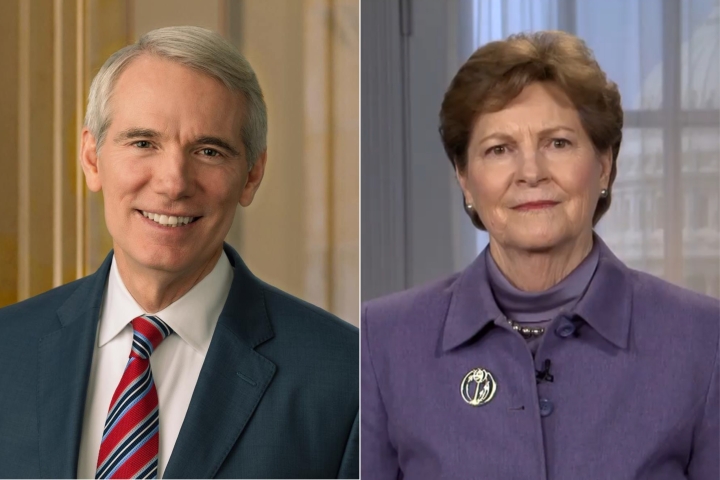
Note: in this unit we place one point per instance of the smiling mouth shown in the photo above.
(536, 205)
(168, 220)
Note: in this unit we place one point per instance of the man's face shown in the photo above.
(173, 153)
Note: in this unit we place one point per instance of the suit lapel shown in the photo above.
(231, 383)
(233, 380)
(64, 361)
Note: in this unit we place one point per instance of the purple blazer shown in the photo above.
(631, 393)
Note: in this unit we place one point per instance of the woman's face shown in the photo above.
(532, 174)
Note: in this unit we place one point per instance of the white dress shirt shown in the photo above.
(175, 364)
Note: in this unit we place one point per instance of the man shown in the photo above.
(173, 359)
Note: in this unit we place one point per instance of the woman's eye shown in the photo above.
(497, 150)
(142, 144)
(560, 143)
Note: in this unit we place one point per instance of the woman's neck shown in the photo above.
(539, 271)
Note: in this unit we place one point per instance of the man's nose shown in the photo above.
(175, 175)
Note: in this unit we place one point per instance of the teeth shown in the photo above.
(167, 220)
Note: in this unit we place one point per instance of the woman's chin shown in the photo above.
(539, 239)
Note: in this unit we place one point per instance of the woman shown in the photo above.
(547, 358)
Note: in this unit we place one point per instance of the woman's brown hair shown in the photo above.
(498, 71)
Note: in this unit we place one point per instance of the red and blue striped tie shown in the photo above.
(129, 447)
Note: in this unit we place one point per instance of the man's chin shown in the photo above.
(163, 259)
(167, 265)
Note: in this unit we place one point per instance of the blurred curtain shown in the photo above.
(301, 234)
(43, 238)
(665, 56)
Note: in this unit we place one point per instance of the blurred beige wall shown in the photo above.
(301, 234)
(148, 15)
(271, 232)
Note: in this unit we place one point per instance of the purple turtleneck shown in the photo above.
(538, 309)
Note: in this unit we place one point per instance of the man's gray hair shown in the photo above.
(197, 48)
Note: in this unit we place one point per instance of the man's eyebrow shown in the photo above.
(218, 142)
(132, 133)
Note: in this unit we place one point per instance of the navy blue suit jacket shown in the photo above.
(277, 395)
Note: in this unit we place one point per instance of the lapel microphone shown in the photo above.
(544, 374)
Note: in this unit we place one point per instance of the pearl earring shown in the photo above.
(604, 193)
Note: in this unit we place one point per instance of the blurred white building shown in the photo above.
(634, 226)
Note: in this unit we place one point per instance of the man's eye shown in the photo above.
(142, 144)
(210, 152)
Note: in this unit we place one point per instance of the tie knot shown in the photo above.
(148, 332)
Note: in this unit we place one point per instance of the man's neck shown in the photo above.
(155, 289)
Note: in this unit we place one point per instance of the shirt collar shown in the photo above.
(606, 305)
(472, 305)
(193, 316)
(524, 306)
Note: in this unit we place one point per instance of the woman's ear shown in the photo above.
(606, 163)
(462, 181)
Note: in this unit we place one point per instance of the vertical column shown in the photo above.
(23, 179)
(80, 76)
(318, 18)
(66, 144)
(9, 137)
(106, 31)
(35, 179)
(383, 196)
(672, 135)
(343, 169)
(273, 234)
(57, 142)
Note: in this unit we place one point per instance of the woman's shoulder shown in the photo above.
(682, 317)
(655, 292)
(421, 302)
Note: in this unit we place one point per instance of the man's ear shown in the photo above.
(89, 160)
(254, 177)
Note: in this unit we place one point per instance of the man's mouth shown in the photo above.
(168, 220)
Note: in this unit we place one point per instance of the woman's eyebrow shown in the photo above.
(550, 130)
(506, 137)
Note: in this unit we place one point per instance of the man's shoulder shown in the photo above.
(289, 312)
(290, 315)
(37, 313)
(310, 343)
